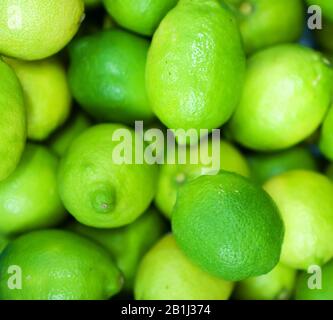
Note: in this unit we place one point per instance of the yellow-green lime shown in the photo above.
(286, 94)
(36, 29)
(100, 184)
(228, 225)
(58, 265)
(326, 135)
(165, 273)
(305, 201)
(46, 93)
(195, 66)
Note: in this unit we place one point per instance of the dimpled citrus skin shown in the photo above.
(173, 176)
(326, 135)
(195, 66)
(141, 16)
(95, 189)
(303, 292)
(286, 94)
(12, 121)
(36, 29)
(267, 165)
(29, 197)
(264, 23)
(59, 265)
(165, 273)
(128, 244)
(326, 7)
(46, 93)
(306, 206)
(228, 226)
(113, 65)
(275, 285)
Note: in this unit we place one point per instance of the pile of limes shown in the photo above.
(83, 216)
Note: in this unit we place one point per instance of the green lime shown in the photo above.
(173, 176)
(275, 285)
(96, 187)
(127, 244)
(141, 16)
(58, 265)
(28, 197)
(286, 94)
(306, 288)
(326, 135)
(165, 273)
(112, 64)
(324, 36)
(195, 66)
(3, 242)
(265, 23)
(228, 225)
(267, 165)
(36, 29)
(326, 7)
(305, 201)
(63, 138)
(12, 121)
(46, 94)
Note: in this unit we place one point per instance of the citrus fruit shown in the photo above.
(265, 23)
(286, 94)
(127, 244)
(12, 121)
(267, 165)
(36, 29)
(326, 135)
(165, 273)
(112, 64)
(3, 242)
(63, 138)
(326, 7)
(275, 285)
(28, 197)
(173, 176)
(228, 226)
(46, 93)
(305, 201)
(59, 265)
(304, 292)
(96, 188)
(141, 16)
(195, 66)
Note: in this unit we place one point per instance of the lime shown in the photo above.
(267, 165)
(58, 265)
(112, 64)
(29, 197)
(306, 206)
(3, 242)
(265, 23)
(306, 292)
(127, 244)
(275, 285)
(12, 121)
(141, 16)
(36, 29)
(96, 188)
(63, 138)
(46, 94)
(326, 135)
(173, 176)
(165, 273)
(325, 5)
(195, 66)
(286, 95)
(228, 226)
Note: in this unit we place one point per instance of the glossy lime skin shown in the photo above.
(141, 16)
(326, 135)
(165, 273)
(228, 226)
(107, 75)
(29, 196)
(195, 66)
(305, 201)
(12, 121)
(264, 23)
(286, 94)
(59, 265)
(326, 7)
